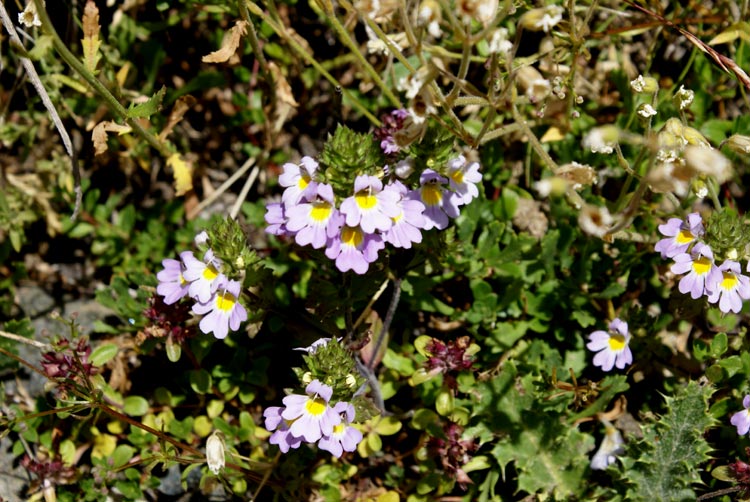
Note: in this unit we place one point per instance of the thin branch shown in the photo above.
(15, 41)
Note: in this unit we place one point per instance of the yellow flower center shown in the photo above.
(365, 199)
(338, 429)
(182, 280)
(685, 237)
(210, 273)
(702, 265)
(351, 236)
(457, 176)
(303, 182)
(225, 301)
(315, 406)
(398, 217)
(616, 342)
(431, 195)
(729, 282)
(321, 211)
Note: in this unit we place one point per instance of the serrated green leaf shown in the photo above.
(150, 107)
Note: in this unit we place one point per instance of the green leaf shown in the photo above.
(103, 354)
(145, 110)
(200, 381)
(719, 345)
(135, 406)
(122, 455)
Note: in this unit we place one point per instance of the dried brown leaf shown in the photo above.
(90, 41)
(229, 45)
(181, 106)
(99, 134)
(182, 171)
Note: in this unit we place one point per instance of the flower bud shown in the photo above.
(533, 84)
(709, 162)
(541, 19)
(215, 452)
(683, 98)
(645, 85)
(693, 137)
(738, 143)
(646, 111)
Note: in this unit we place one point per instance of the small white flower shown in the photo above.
(646, 111)
(684, 97)
(29, 17)
(595, 220)
(638, 84)
(499, 43)
(215, 452)
(601, 139)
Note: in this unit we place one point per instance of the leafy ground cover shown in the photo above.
(375, 251)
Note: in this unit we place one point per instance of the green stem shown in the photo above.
(99, 88)
(309, 59)
(347, 40)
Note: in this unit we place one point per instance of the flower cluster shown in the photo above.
(325, 413)
(449, 358)
(611, 346)
(723, 284)
(311, 418)
(215, 295)
(352, 223)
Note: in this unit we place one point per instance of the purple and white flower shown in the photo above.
(172, 284)
(438, 201)
(407, 224)
(463, 179)
(282, 437)
(730, 288)
(699, 265)
(224, 311)
(344, 437)
(679, 235)
(741, 419)
(315, 222)
(204, 276)
(354, 249)
(299, 181)
(309, 416)
(276, 219)
(370, 207)
(611, 346)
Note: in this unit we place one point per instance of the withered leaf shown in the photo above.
(229, 45)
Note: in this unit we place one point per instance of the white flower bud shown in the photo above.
(215, 452)
(684, 97)
(646, 111)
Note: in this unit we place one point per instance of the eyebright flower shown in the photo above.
(282, 437)
(700, 267)
(370, 207)
(741, 419)
(310, 416)
(224, 311)
(315, 222)
(298, 180)
(172, 285)
(463, 179)
(680, 234)
(438, 201)
(344, 437)
(730, 288)
(610, 447)
(407, 224)
(204, 276)
(611, 346)
(354, 249)
(276, 219)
